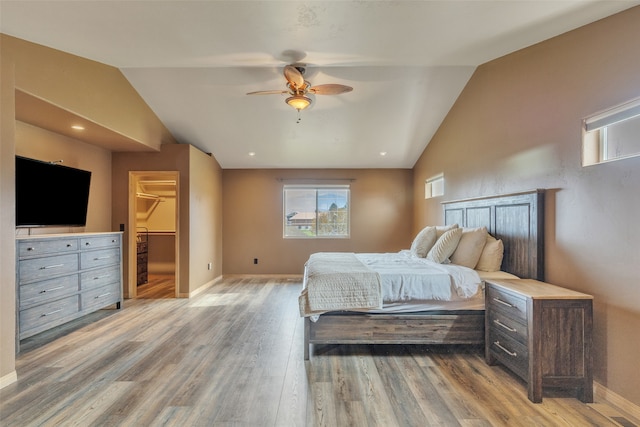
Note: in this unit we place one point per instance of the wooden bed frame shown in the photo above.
(517, 219)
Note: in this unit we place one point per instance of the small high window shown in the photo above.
(611, 135)
(316, 211)
(434, 186)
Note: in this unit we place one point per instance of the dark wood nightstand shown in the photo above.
(541, 332)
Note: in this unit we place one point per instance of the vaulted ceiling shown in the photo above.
(194, 61)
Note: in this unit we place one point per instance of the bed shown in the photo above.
(516, 219)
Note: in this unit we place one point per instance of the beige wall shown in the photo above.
(381, 218)
(7, 219)
(95, 91)
(199, 213)
(517, 126)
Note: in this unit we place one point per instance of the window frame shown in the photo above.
(317, 188)
(596, 144)
(434, 186)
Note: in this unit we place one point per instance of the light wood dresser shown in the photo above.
(542, 333)
(64, 276)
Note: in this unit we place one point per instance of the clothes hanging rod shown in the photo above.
(147, 196)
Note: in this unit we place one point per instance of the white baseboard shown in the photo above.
(604, 394)
(201, 288)
(8, 379)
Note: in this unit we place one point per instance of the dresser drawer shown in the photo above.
(100, 297)
(99, 277)
(512, 305)
(513, 354)
(46, 290)
(30, 248)
(100, 241)
(43, 268)
(508, 326)
(90, 259)
(46, 314)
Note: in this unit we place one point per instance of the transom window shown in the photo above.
(612, 135)
(434, 186)
(312, 211)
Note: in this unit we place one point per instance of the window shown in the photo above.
(612, 135)
(434, 186)
(316, 211)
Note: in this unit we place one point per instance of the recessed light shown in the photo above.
(252, 153)
(77, 127)
(383, 153)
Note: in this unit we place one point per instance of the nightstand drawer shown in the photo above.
(508, 326)
(510, 304)
(509, 352)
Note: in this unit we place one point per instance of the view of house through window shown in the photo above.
(316, 211)
(612, 135)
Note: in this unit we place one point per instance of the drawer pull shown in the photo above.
(31, 249)
(51, 290)
(508, 328)
(50, 313)
(114, 241)
(510, 353)
(87, 244)
(103, 295)
(102, 257)
(498, 300)
(101, 277)
(46, 267)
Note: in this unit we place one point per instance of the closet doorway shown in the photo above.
(153, 237)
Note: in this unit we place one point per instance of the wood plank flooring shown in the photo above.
(158, 286)
(233, 356)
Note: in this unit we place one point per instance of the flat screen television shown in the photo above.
(50, 194)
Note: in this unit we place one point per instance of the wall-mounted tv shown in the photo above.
(50, 194)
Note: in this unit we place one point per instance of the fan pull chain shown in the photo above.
(299, 118)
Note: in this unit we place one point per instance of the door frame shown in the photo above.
(132, 276)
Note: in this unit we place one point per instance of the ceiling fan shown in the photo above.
(298, 87)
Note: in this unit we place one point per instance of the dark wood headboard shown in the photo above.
(517, 219)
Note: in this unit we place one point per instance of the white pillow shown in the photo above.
(423, 242)
(491, 257)
(470, 247)
(444, 246)
(441, 229)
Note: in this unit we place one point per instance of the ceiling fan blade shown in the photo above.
(268, 92)
(330, 89)
(293, 76)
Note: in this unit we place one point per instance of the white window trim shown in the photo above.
(595, 132)
(316, 187)
(434, 186)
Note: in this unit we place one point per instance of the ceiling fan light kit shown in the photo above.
(298, 88)
(299, 102)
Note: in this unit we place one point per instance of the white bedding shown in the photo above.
(406, 278)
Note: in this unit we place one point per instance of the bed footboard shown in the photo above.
(460, 327)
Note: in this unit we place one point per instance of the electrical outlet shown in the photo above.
(255, 260)
(209, 266)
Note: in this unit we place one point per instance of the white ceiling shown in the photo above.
(194, 61)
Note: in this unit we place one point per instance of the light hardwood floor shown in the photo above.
(233, 356)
